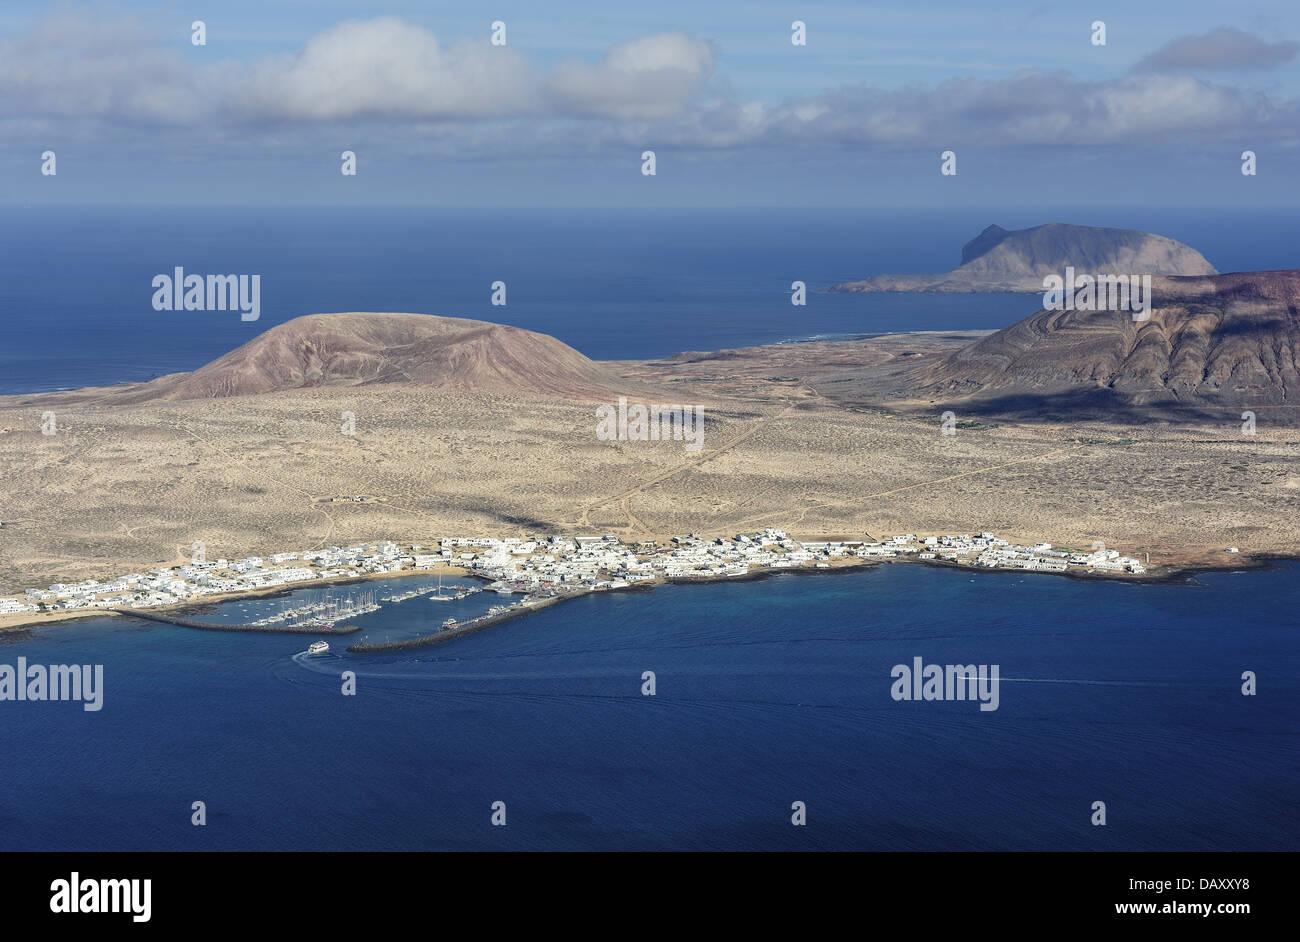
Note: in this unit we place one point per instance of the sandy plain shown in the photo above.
(123, 488)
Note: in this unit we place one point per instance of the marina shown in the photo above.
(433, 594)
(321, 612)
(495, 615)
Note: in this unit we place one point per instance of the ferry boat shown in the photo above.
(318, 647)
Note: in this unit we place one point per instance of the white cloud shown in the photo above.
(652, 77)
(1222, 48)
(489, 100)
(358, 69)
(1036, 109)
(387, 68)
(69, 66)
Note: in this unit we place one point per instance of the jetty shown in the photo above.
(464, 628)
(170, 619)
(494, 616)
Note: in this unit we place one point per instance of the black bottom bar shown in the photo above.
(927, 891)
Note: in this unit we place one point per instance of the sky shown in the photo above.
(1034, 109)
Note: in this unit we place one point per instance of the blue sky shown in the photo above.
(737, 115)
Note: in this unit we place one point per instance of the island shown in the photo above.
(1017, 260)
(1078, 428)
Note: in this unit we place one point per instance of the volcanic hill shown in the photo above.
(1216, 345)
(361, 349)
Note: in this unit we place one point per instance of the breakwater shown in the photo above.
(487, 621)
(464, 628)
(168, 619)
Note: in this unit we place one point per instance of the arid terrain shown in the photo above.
(133, 476)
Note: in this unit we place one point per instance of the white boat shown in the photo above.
(318, 647)
(439, 597)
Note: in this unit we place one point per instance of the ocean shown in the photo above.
(767, 693)
(76, 284)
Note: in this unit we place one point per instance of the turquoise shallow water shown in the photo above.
(768, 693)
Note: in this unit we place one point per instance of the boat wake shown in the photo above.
(1096, 683)
(313, 662)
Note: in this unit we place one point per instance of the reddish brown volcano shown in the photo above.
(1217, 341)
(356, 349)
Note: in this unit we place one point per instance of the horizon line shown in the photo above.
(847, 207)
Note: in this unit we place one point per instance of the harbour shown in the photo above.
(460, 629)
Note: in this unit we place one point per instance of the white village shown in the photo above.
(547, 566)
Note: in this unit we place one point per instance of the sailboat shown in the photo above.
(438, 596)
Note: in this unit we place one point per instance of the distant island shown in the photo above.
(1017, 260)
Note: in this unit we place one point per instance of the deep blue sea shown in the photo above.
(76, 284)
(768, 692)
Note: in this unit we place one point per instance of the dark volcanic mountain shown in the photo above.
(1218, 344)
(357, 349)
(1001, 260)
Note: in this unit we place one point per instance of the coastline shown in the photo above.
(25, 621)
(1184, 576)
